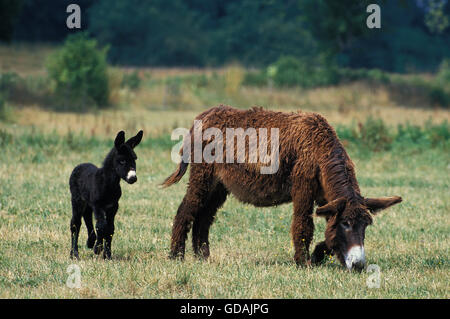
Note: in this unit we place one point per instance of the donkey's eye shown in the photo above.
(346, 225)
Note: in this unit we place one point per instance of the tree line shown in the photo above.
(414, 35)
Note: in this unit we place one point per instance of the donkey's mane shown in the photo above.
(336, 167)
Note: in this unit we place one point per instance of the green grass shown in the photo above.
(251, 251)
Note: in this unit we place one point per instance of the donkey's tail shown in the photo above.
(176, 176)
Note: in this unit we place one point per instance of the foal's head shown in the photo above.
(124, 161)
(346, 226)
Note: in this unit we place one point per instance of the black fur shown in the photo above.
(98, 190)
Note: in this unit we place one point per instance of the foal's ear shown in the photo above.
(377, 204)
(120, 139)
(334, 207)
(135, 140)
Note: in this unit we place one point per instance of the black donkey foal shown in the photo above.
(98, 190)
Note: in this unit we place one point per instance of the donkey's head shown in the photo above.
(346, 226)
(125, 158)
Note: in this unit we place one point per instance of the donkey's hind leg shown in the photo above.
(200, 181)
(204, 219)
(87, 216)
(75, 224)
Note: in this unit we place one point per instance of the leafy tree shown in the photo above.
(414, 34)
(150, 32)
(79, 72)
(435, 19)
(336, 23)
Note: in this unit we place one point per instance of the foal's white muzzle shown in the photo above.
(355, 258)
(131, 176)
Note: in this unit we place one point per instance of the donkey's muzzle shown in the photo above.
(131, 177)
(355, 258)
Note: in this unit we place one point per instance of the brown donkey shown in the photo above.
(312, 168)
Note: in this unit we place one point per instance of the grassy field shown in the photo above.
(251, 247)
(251, 250)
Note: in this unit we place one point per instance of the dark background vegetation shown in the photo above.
(282, 44)
(414, 35)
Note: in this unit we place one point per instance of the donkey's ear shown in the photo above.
(377, 204)
(120, 139)
(334, 207)
(135, 140)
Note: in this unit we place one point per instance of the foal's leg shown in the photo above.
(302, 227)
(204, 219)
(110, 214)
(87, 216)
(100, 227)
(197, 193)
(75, 224)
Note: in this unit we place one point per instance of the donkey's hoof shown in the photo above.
(202, 254)
(74, 255)
(177, 255)
(303, 263)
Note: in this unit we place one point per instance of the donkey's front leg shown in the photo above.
(100, 227)
(110, 214)
(302, 228)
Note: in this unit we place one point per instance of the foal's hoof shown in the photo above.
(74, 255)
(107, 255)
(304, 263)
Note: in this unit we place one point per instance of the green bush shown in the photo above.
(256, 78)
(79, 73)
(6, 112)
(305, 72)
(131, 80)
(439, 95)
(444, 71)
(289, 71)
(440, 88)
(430, 135)
(373, 136)
(438, 134)
(5, 138)
(9, 81)
(377, 75)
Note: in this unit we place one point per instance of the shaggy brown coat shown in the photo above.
(314, 168)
